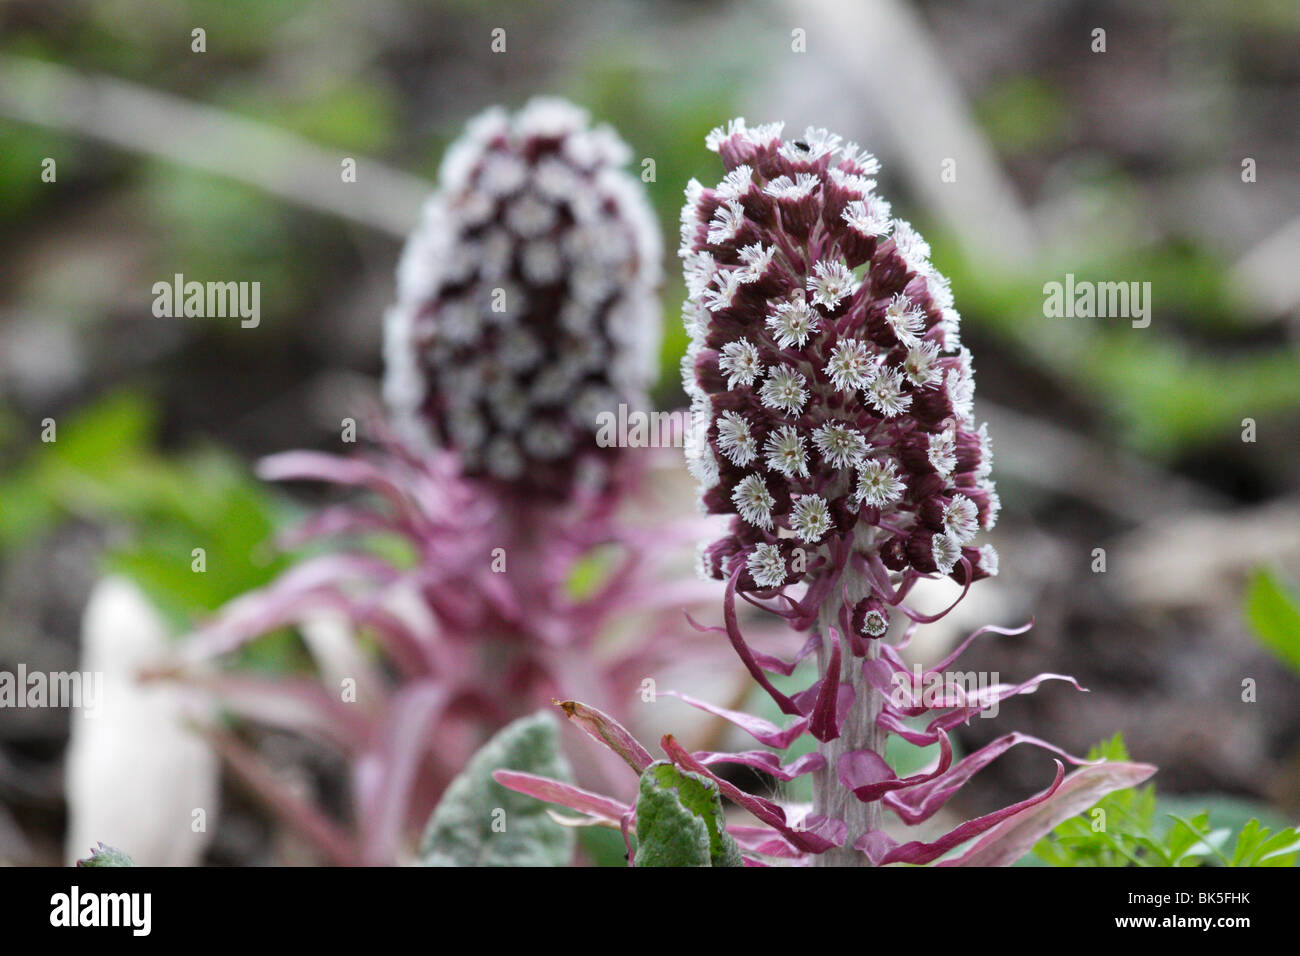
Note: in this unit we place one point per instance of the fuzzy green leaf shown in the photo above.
(679, 820)
(478, 822)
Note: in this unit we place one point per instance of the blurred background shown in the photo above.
(1024, 144)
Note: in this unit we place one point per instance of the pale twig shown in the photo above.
(203, 137)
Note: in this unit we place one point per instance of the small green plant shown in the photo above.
(1127, 828)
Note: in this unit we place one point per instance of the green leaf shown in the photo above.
(104, 855)
(679, 820)
(1175, 831)
(1258, 846)
(78, 471)
(1193, 838)
(480, 823)
(1274, 615)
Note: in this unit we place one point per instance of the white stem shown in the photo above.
(859, 732)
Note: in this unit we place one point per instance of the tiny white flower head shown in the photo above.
(784, 390)
(994, 506)
(531, 216)
(942, 454)
(985, 466)
(960, 383)
(875, 623)
(810, 519)
(851, 365)
(862, 161)
(786, 452)
(757, 258)
(831, 283)
(727, 222)
(885, 393)
(868, 220)
(791, 323)
(736, 185)
(920, 365)
(946, 552)
(878, 483)
(754, 502)
(960, 519)
(783, 187)
(840, 445)
(906, 321)
(720, 134)
(723, 295)
(736, 439)
(816, 144)
(914, 250)
(767, 565)
(741, 362)
(857, 188)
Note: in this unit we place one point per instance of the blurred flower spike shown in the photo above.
(527, 300)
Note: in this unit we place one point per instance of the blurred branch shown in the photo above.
(202, 137)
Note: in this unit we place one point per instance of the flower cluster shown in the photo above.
(833, 421)
(526, 298)
(830, 391)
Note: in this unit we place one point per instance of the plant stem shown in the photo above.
(859, 732)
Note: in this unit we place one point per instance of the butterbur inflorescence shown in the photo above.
(526, 299)
(831, 395)
(832, 420)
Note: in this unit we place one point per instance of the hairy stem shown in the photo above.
(860, 731)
